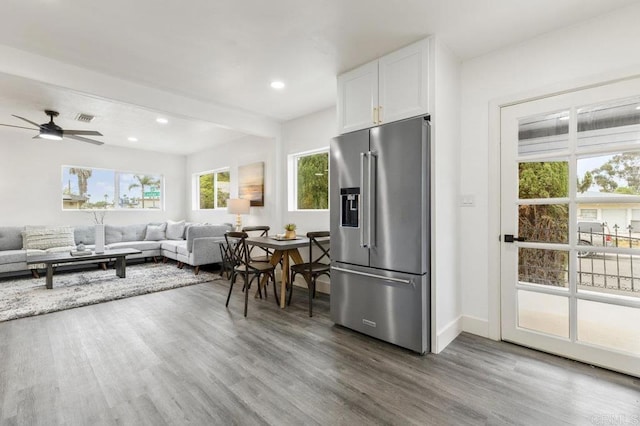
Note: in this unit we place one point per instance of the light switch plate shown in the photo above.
(467, 200)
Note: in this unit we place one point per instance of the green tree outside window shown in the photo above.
(214, 190)
(313, 181)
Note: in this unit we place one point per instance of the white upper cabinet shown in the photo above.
(391, 88)
(403, 83)
(357, 98)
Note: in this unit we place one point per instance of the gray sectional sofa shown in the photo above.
(187, 244)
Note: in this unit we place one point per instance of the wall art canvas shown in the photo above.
(251, 183)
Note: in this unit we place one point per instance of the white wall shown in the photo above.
(313, 131)
(31, 180)
(446, 297)
(247, 150)
(310, 132)
(593, 51)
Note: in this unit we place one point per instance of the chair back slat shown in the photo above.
(237, 245)
(315, 241)
(261, 231)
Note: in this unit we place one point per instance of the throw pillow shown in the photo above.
(175, 230)
(46, 238)
(155, 232)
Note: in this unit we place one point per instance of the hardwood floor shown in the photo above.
(179, 357)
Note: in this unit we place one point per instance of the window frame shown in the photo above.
(292, 174)
(196, 188)
(116, 189)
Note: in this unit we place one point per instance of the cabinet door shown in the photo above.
(357, 96)
(404, 83)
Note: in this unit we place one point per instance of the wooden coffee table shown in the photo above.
(119, 255)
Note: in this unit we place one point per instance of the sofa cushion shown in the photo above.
(155, 232)
(138, 245)
(13, 256)
(187, 225)
(11, 237)
(119, 233)
(172, 245)
(85, 234)
(200, 231)
(183, 250)
(175, 230)
(46, 238)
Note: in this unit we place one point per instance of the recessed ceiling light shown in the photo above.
(277, 85)
(162, 120)
(132, 139)
(565, 117)
(638, 107)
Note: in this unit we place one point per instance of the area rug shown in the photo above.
(26, 296)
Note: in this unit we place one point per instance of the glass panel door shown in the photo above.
(570, 188)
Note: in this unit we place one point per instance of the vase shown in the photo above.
(290, 234)
(99, 238)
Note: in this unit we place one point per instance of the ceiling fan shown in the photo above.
(52, 131)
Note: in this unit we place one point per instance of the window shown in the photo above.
(90, 188)
(309, 180)
(589, 214)
(212, 189)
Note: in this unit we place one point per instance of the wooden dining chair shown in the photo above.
(315, 267)
(243, 266)
(227, 264)
(258, 254)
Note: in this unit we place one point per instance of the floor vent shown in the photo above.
(85, 118)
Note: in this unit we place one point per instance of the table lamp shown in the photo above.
(238, 206)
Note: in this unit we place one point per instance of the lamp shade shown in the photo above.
(238, 206)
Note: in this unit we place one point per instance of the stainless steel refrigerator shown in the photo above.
(380, 199)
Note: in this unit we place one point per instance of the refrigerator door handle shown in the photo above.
(371, 231)
(366, 274)
(360, 215)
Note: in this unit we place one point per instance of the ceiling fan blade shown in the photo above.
(81, 139)
(18, 127)
(81, 132)
(28, 121)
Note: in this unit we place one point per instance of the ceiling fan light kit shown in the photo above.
(51, 136)
(52, 131)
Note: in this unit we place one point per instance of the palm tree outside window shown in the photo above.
(87, 188)
(150, 188)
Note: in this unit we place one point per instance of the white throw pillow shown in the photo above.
(155, 232)
(175, 230)
(46, 238)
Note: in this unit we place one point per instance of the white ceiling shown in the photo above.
(227, 51)
(115, 120)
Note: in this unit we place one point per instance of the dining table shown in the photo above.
(285, 250)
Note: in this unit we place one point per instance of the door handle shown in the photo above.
(509, 238)
(366, 274)
(360, 216)
(371, 231)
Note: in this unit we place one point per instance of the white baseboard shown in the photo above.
(447, 335)
(475, 325)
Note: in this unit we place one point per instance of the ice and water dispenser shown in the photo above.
(349, 207)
